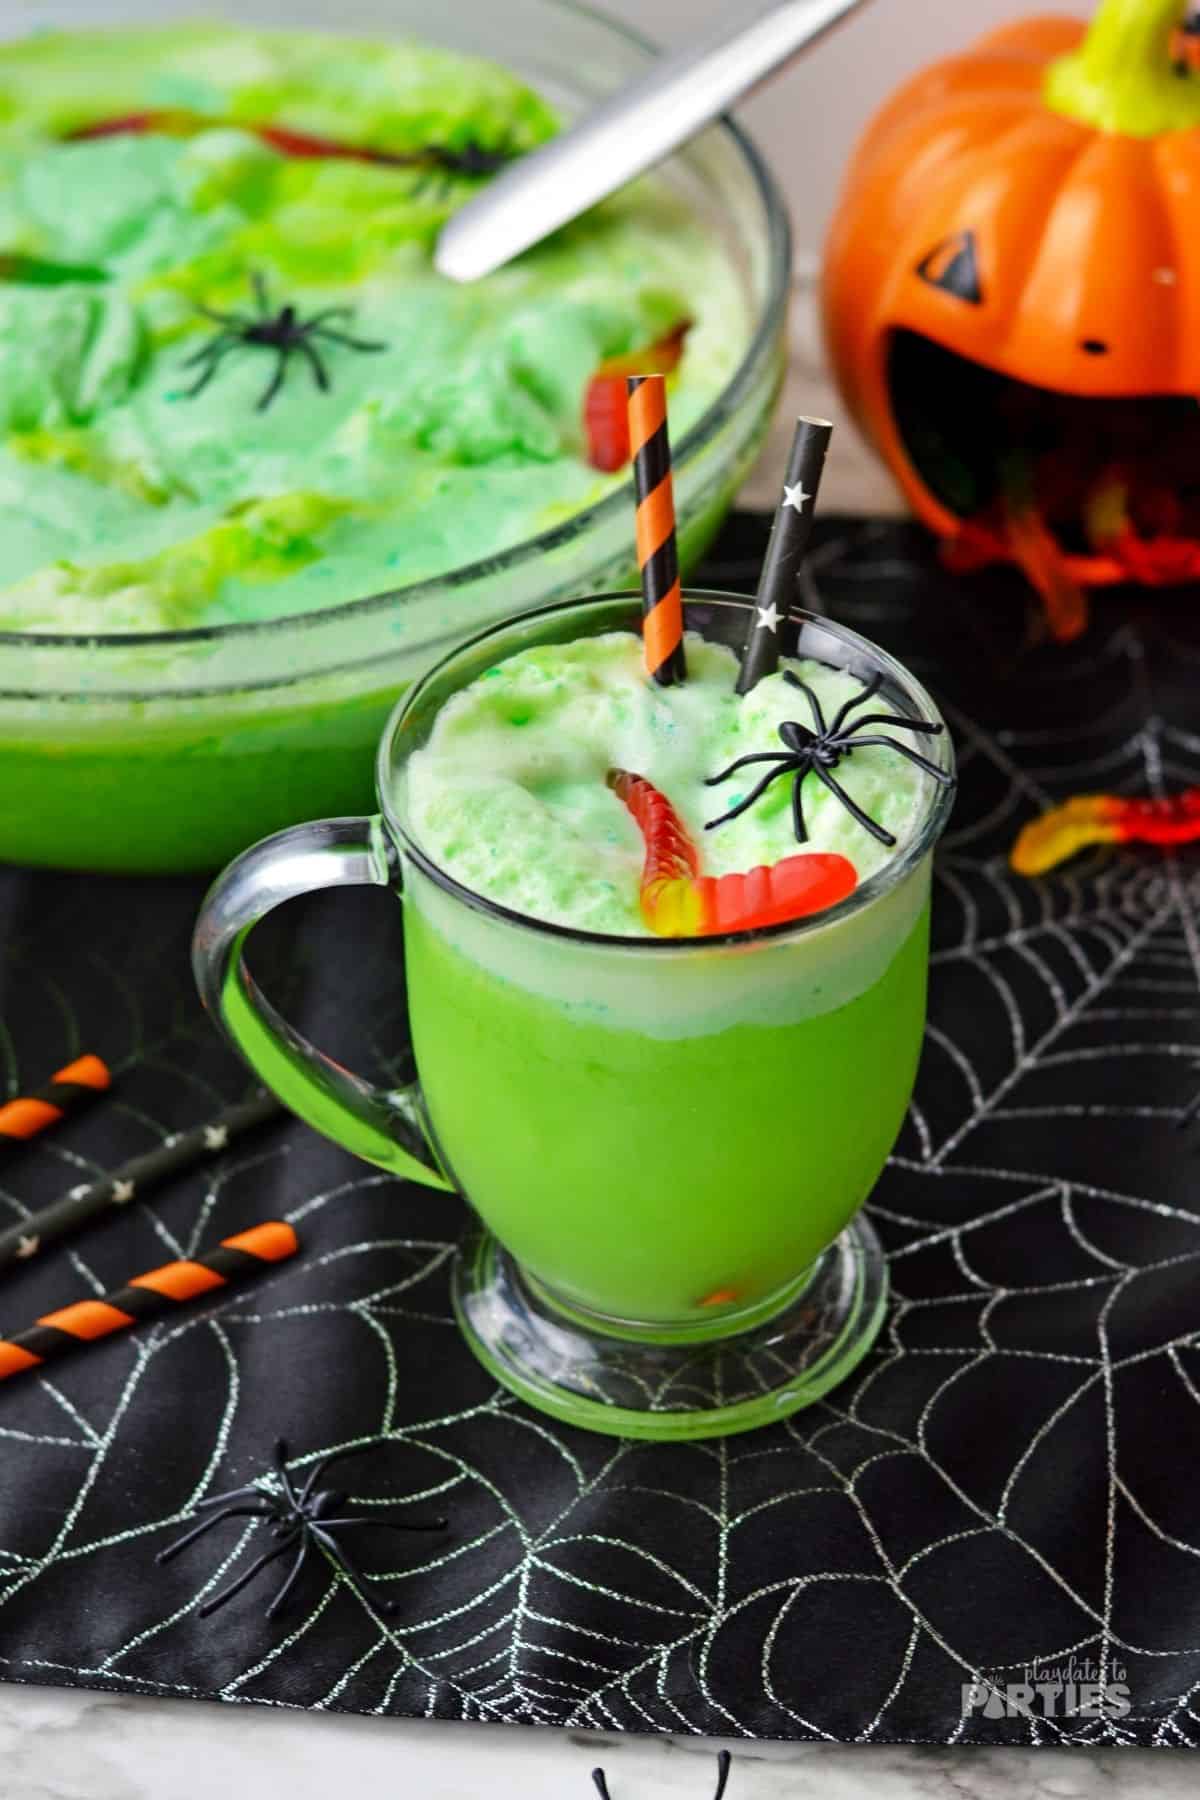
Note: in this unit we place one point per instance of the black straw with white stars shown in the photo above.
(785, 552)
(181, 1151)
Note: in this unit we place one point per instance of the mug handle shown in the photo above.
(383, 1126)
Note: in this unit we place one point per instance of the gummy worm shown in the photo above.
(178, 122)
(606, 405)
(1035, 550)
(677, 901)
(1163, 560)
(1105, 819)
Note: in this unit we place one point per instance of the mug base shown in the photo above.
(657, 1387)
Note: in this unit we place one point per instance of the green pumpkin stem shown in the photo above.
(1123, 77)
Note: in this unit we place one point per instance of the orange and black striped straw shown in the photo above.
(657, 554)
(27, 1114)
(147, 1297)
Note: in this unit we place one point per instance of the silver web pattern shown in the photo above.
(1006, 1484)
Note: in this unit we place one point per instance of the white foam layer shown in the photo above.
(509, 795)
(673, 990)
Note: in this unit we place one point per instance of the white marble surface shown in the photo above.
(85, 1746)
(79, 1745)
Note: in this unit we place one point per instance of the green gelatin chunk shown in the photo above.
(144, 487)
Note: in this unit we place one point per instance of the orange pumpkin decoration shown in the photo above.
(1016, 255)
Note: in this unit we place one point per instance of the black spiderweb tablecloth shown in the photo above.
(1008, 1485)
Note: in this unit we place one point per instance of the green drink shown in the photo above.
(667, 1139)
(733, 1210)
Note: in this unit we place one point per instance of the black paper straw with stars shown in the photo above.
(785, 552)
(177, 1153)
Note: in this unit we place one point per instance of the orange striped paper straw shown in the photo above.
(658, 557)
(146, 1297)
(27, 1114)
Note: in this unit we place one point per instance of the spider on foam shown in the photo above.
(819, 751)
(283, 331)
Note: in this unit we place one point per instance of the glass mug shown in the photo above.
(665, 1142)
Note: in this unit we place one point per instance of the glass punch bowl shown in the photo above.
(174, 750)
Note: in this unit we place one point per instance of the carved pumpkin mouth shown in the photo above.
(1113, 484)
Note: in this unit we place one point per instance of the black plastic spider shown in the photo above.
(723, 1764)
(821, 751)
(301, 1518)
(472, 159)
(441, 165)
(284, 332)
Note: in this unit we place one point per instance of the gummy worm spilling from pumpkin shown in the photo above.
(605, 421)
(1013, 301)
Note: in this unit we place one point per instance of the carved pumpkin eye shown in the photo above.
(953, 266)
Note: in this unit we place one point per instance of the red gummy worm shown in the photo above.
(606, 405)
(1105, 819)
(677, 901)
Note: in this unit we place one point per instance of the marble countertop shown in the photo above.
(80, 1745)
(85, 1746)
